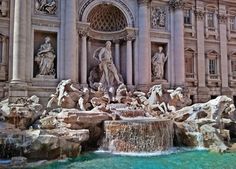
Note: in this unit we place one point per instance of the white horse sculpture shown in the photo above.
(175, 96)
(153, 101)
(212, 109)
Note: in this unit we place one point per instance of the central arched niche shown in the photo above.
(107, 18)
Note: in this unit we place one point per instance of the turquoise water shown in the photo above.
(180, 160)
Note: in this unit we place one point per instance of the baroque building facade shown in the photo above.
(188, 43)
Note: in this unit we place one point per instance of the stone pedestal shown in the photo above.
(226, 91)
(203, 94)
(17, 91)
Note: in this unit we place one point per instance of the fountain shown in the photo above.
(138, 135)
(109, 116)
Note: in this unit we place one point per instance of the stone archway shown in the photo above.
(88, 5)
(103, 21)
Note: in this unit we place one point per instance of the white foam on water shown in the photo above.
(155, 153)
(5, 161)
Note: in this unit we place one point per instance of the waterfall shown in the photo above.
(197, 139)
(140, 135)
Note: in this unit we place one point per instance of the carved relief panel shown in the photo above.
(159, 17)
(47, 7)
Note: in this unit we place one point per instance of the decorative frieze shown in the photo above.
(159, 17)
(48, 7)
(176, 4)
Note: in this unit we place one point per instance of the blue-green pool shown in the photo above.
(180, 160)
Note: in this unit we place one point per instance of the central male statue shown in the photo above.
(106, 66)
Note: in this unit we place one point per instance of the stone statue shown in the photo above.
(66, 96)
(45, 59)
(158, 62)
(107, 70)
(46, 6)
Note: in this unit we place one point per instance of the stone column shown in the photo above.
(117, 55)
(223, 50)
(4, 50)
(201, 47)
(19, 42)
(70, 56)
(144, 51)
(83, 32)
(129, 63)
(179, 61)
(83, 59)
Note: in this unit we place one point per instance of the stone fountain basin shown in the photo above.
(138, 135)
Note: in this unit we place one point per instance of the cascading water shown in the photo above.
(139, 135)
(198, 137)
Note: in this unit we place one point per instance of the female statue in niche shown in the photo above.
(45, 58)
(158, 62)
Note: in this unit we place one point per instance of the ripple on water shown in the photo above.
(179, 159)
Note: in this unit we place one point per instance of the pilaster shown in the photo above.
(200, 15)
(223, 46)
(144, 50)
(70, 56)
(179, 62)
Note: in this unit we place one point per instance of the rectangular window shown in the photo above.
(212, 66)
(187, 16)
(210, 20)
(189, 65)
(232, 23)
(233, 65)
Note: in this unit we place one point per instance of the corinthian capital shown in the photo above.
(83, 29)
(176, 4)
(200, 14)
(222, 18)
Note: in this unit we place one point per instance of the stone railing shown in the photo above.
(213, 80)
(4, 8)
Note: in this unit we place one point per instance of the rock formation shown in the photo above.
(115, 119)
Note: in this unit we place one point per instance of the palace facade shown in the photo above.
(45, 41)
